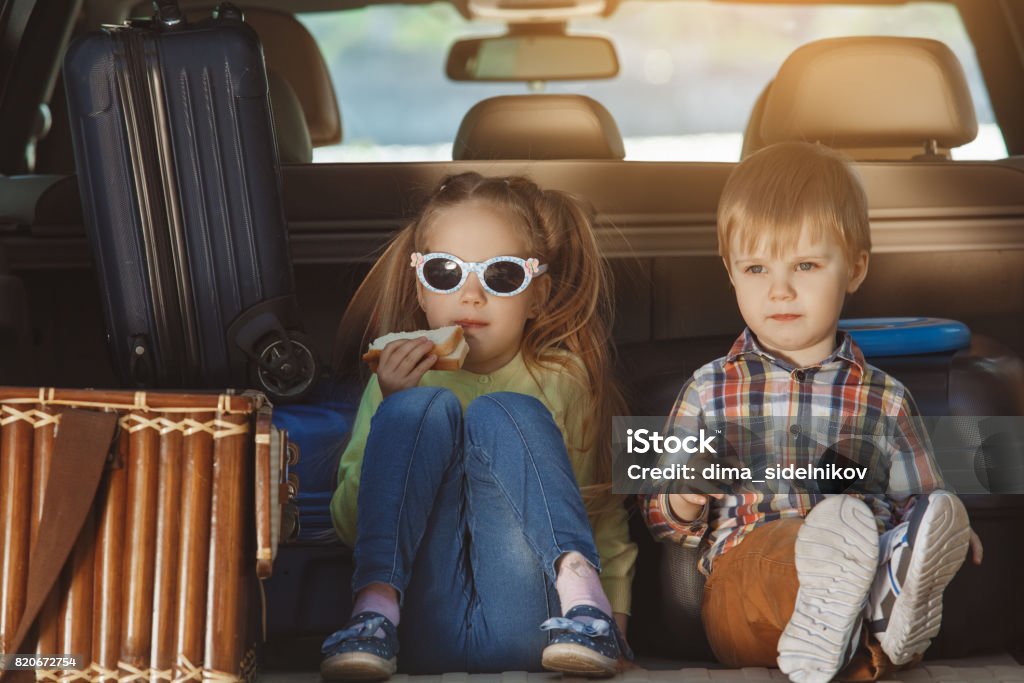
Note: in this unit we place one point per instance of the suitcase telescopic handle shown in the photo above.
(227, 11)
(168, 13)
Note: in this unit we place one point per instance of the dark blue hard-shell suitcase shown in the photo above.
(181, 191)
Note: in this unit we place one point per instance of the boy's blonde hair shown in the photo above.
(780, 191)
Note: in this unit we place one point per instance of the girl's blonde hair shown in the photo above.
(780, 191)
(572, 330)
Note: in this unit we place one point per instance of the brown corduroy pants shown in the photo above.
(750, 596)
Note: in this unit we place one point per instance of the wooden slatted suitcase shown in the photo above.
(160, 583)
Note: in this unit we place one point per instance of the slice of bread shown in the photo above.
(449, 346)
(453, 360)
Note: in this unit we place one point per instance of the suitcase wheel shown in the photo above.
(286, 368)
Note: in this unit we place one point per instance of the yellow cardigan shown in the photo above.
(557, 391)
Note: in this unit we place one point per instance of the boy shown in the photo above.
(793, 576)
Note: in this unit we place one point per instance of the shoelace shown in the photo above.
(595, 629)
(363, 630)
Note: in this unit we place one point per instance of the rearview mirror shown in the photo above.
(532, 57)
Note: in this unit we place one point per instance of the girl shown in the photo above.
(466, 494)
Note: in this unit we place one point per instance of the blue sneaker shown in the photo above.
(920, 559)
(356, 653)
(584, 648)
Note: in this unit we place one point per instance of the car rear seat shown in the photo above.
(890, 98)
(538, 127)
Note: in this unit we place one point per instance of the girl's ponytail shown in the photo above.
(577, 318)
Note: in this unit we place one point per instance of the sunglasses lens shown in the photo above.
(504, 277)
(442, 273)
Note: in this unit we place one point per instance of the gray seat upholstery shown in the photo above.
(538, 127)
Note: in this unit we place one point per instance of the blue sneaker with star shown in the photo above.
(585, 642)
(365, 650)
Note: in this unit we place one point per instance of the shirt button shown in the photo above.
(794, 429)
(484, 379)
(799, 374)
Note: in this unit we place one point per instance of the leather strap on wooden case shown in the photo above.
(80, 450)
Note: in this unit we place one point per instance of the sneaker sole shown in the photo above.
(939, 550)
(836, 560)
(578, 660)
(357, 666)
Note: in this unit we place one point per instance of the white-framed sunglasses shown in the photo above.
(500, 276)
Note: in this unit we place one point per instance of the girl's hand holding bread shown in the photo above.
(400, 359)
(402, 364)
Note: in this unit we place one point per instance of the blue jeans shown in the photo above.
(465, 517)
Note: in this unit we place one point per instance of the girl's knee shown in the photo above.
(422, 423)
(505, 407)
(516, 426)
(424, 403)
(413, 416)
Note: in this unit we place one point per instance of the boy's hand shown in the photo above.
(977, 551)
(686, 506)
(402, 364)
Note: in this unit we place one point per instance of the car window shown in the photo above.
(690, 72)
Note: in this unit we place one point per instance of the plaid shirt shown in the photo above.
(750, 383)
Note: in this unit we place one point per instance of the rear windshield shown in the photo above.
(689, 76)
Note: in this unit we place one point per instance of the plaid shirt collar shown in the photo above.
(746, 345)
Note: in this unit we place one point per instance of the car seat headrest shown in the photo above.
(870, 96)
(291, 50)
(752, 140)
(293, 143)
(538, 127)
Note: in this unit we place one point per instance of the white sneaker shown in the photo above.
(905, 604)
(836, 560)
